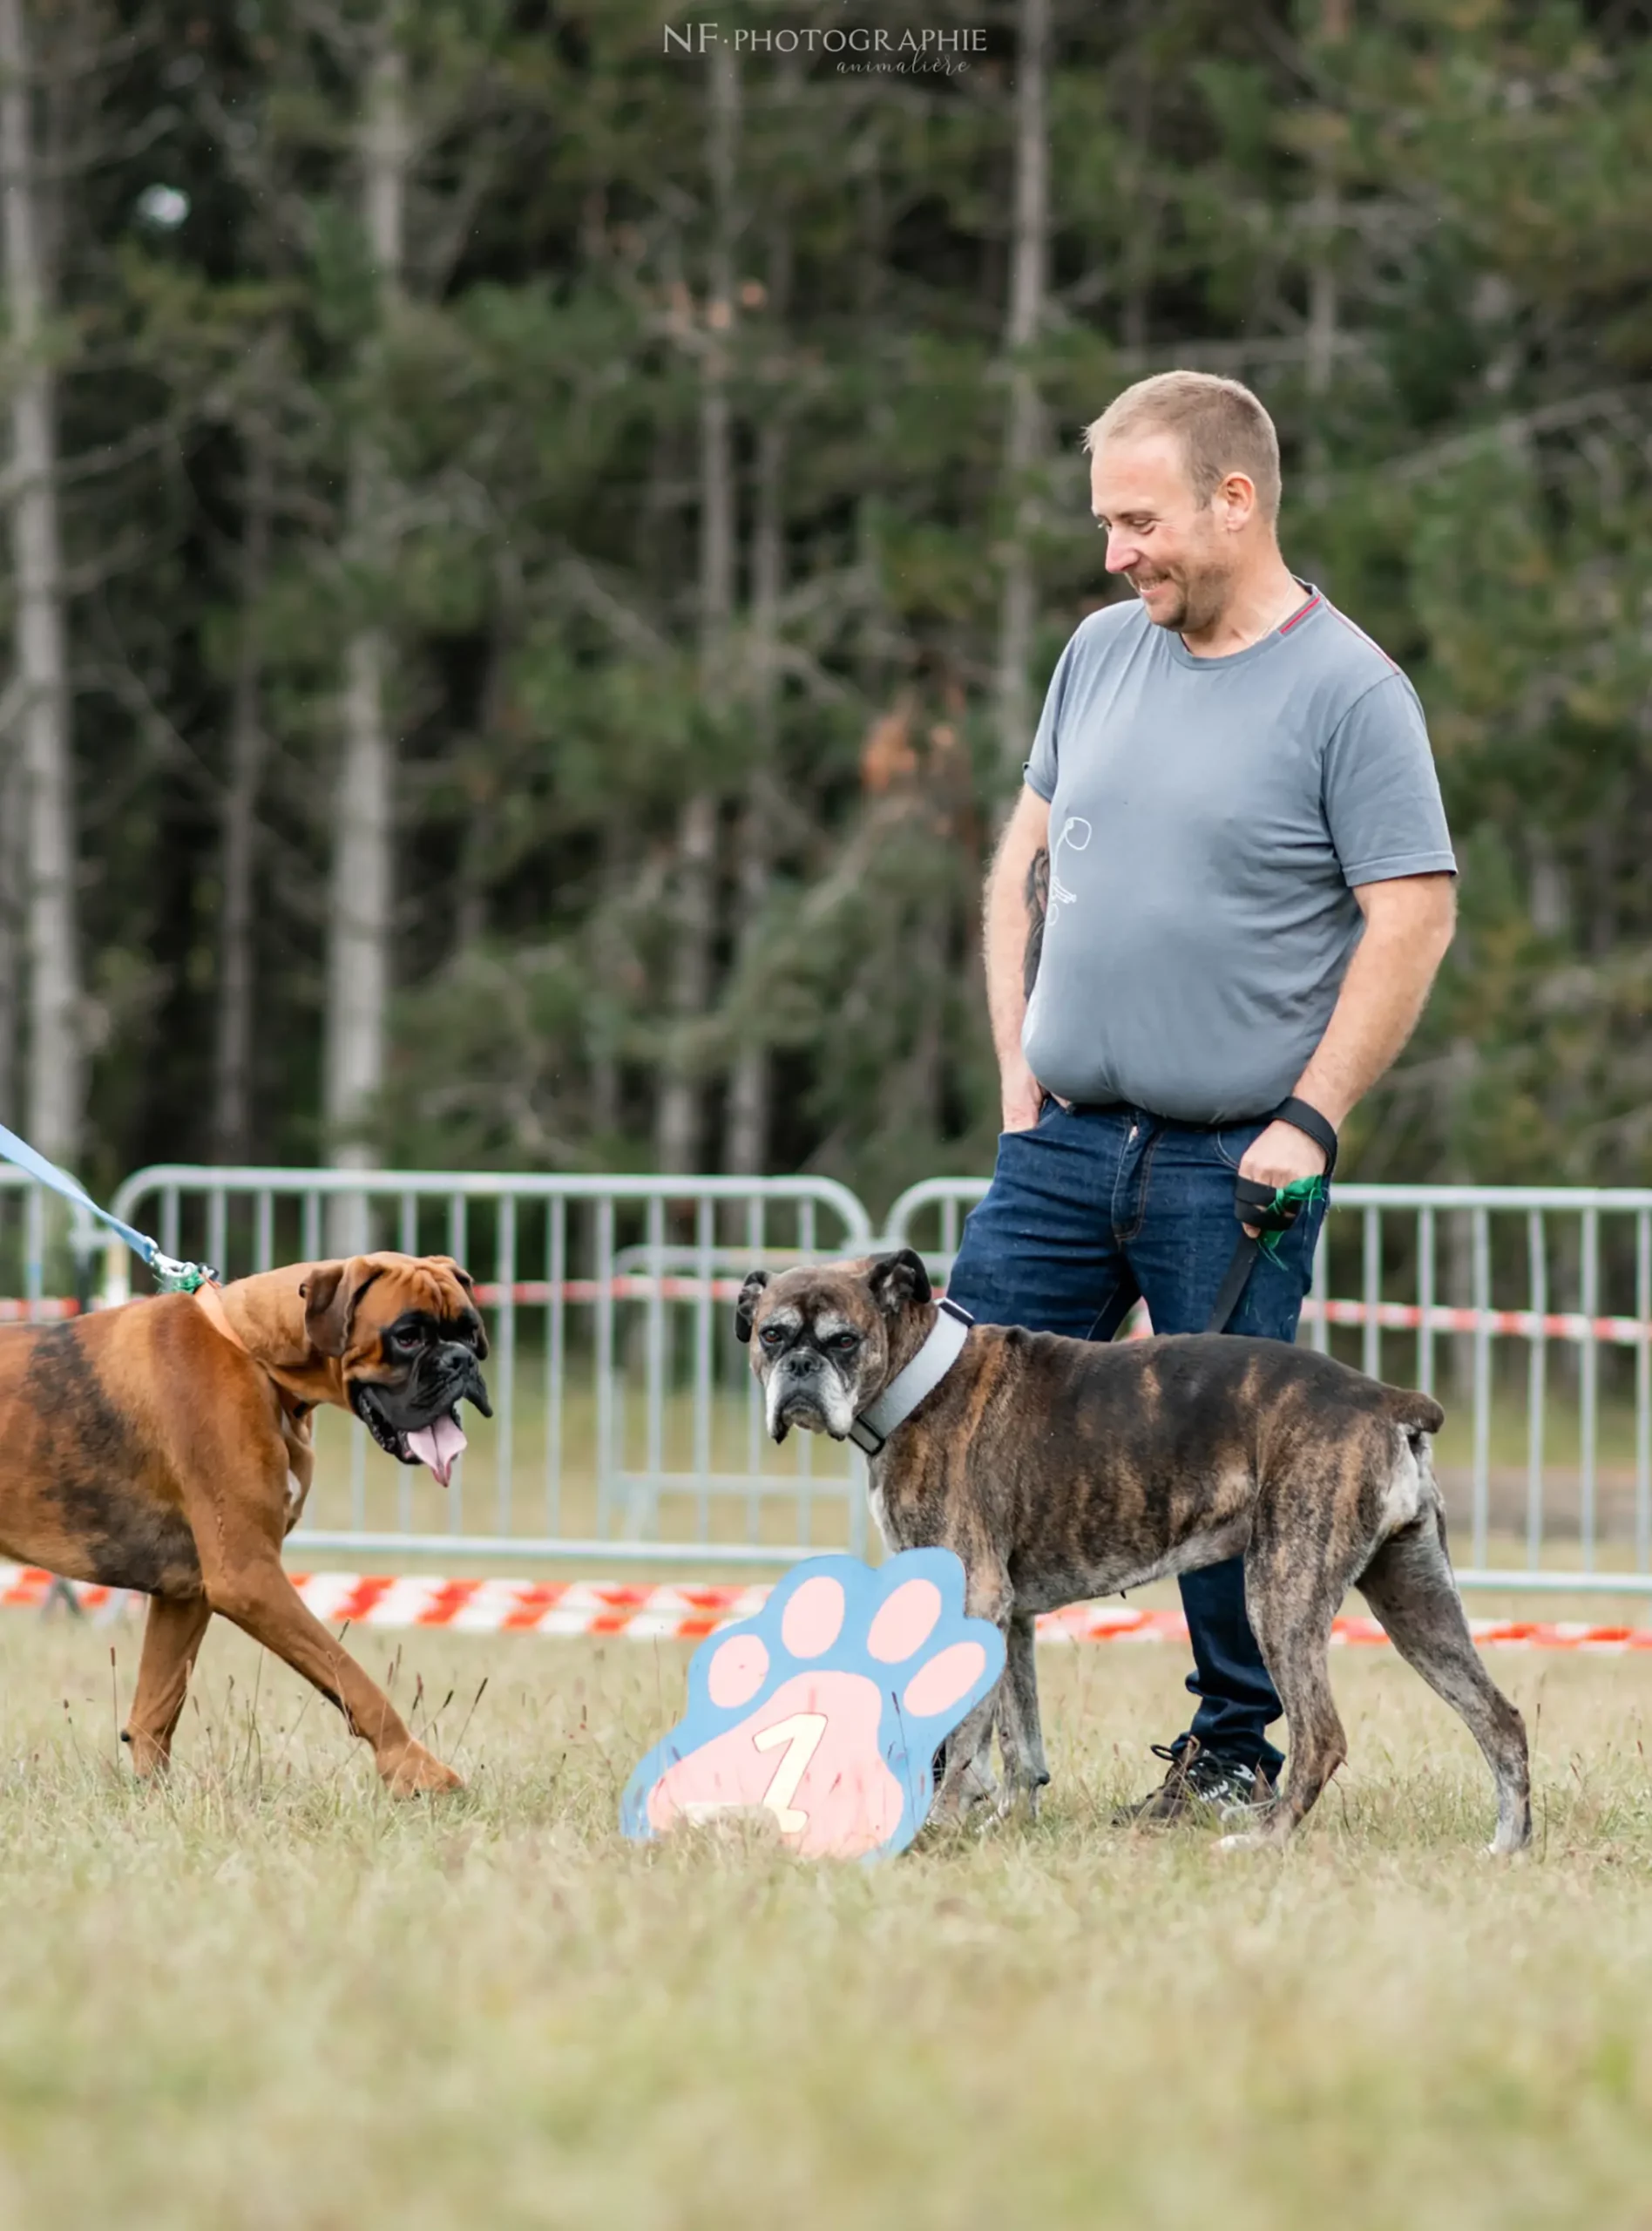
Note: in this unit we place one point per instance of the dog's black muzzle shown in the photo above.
(441, 1379)
(801, 1400)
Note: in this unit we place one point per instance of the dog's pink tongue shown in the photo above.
(439, 1446)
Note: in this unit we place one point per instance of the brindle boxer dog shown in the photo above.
(1061, 1469)
(165, 1445)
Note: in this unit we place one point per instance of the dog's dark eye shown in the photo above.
(843, 1343)
(770, 1338)
(410, 1337)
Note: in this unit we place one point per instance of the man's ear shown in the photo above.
(896, 1279)
(329, 1295)
(745, 1307)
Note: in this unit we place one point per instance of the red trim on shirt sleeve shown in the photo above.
(1312, 605)
(1354, 628)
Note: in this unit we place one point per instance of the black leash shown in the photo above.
(1271, 1209)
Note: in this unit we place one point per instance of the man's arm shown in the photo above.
(1408, 926)
(1014, 915)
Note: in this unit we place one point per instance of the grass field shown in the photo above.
(267, 1996)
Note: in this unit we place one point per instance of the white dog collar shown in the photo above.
(920, 1377)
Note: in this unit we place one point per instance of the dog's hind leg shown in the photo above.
(1292, 1606)
(172, 1634)
(1410, 1586)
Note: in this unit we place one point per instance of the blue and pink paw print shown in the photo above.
(825, 1711)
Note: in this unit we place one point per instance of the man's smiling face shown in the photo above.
(1177, 554)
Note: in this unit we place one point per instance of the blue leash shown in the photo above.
(170, 1277)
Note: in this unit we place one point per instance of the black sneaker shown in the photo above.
(1200, 1785)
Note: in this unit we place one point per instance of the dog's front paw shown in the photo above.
(1019, 1796)
(419, 1773)
(151, 1755)
(825, 1711)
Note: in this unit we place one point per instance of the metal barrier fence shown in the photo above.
(1527, 1310)
(627, 1425)
(29, 1220)
(626, 1421)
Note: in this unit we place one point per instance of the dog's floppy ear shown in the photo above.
(746, 1307)
(329, 1296)
(896, 1279)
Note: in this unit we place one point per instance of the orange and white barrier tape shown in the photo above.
(1103, 1623)
(1392, 1316)
(1505, 1324)
(689, 1610)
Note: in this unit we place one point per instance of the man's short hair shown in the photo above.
(1222, 427)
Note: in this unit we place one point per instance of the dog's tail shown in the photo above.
(1417, 1412)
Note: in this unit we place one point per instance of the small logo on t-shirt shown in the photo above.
(1075, 836)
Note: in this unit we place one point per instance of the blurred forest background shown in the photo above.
(534, 554)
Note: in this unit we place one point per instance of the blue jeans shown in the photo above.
(1089, 1209)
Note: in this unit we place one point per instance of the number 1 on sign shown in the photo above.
(800, 1734)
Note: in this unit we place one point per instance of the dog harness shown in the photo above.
(916, 1380)
(1271, 1209)
(210, 1298)
(209, 1295)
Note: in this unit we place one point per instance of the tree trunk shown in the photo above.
(359, 922)
(14, 789)
(486, 780)
(1324, 218)
(1551, 905)
(55, 1079)
(1024, 428)
(680, 1100)
(745, 1137)
(916, 1114)
(608, 960)
(232, 1053)
(359, 929)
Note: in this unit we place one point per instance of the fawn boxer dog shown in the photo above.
(1060, 1469)
(165, 1445)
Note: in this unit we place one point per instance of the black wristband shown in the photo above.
(1309, 1121)
(1254, 1203)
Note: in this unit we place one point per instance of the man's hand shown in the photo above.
(1280, 1156)
(1023, 1097)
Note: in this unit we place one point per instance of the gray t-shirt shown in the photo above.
(1209, 818)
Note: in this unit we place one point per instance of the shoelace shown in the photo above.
(1182, 1765)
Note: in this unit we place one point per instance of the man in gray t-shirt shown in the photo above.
(1210, 819)
(1231, 805)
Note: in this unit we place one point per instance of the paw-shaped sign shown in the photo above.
(825, 1711)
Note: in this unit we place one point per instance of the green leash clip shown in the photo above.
(1289, 1202)
(170, 1276)
(181, 1278)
